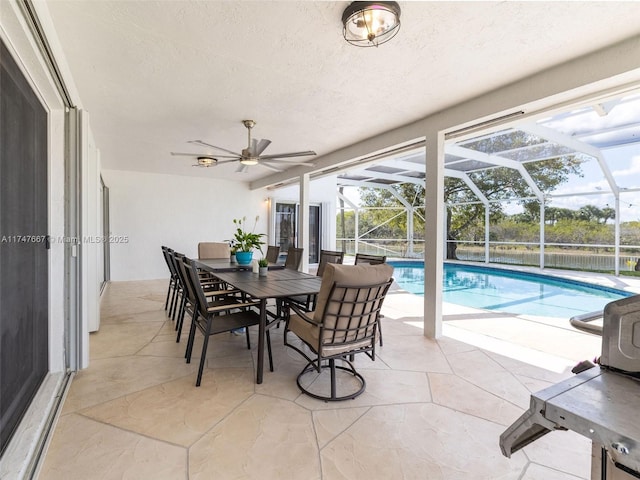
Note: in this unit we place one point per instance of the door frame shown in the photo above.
(273, 240)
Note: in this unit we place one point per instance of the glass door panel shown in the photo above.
(286, 233)
(314, 233)
(285, 227)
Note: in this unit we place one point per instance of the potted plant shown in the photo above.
(263, 265)
(233, 249)
(245, 241)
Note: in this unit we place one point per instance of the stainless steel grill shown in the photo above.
(602, 403)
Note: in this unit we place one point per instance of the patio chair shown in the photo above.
(344, 324)
(293, 261)
(273, 251)
(362, 258)
(308, 302)
(294, 258)
(214, 250)
(213, 318)
(176, 298)
(172, 276)
(217, 293)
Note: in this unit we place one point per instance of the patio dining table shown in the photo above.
(278, 284)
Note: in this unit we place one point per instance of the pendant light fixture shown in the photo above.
(369, 24)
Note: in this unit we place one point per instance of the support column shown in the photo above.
(616, 254)
(303, 222)
(356, 227)
(410, 232)
(542, 208)
(487, 225)
(433, 235)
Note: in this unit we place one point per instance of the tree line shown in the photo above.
(466, 214)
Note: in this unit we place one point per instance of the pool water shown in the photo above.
(509, 291)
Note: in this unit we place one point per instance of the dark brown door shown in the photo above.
(24, 293)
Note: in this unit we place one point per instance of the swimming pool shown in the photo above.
(509, 291)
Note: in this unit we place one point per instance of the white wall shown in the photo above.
(91, 242)
(150, 210)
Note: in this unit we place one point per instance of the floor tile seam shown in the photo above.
(397, 404)
(132, 392)
(291, 400)
(563, 472)
(122, 303)
(394, 369)
(123, 296)
(429, 387)
(109, 323)
(524, 468)
(480, 387)
(446, 357)
(123, 355)
(477, 416)
(495, 394)
(136, 353)
(220, 421)
(367, 409)
(151, 322)
(133, 432)
(509, 372)
(160, 328)
(381, 359)
(317, 442)
(529, 377)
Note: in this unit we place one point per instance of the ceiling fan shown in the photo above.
(252, 155)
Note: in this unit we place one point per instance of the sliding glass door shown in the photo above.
(24, 244)
(286, 228)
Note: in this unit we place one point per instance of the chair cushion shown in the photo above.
(310, 334)
(214, 250)
(349, 275)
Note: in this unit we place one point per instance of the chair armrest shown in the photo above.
(220, 293)
(303, 314)
(216, 307)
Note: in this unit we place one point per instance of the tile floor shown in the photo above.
(431, 410)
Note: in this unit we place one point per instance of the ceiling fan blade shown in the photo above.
(228, 161)
(262, 145)
(289, 155)
(205, 144)
(184, 154)
(181, 154)
(286, 162)
(242, 169)
(252, 148)
(270, 167)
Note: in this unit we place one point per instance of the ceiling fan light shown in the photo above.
(369, 24)
(207, 161)
(249, 161)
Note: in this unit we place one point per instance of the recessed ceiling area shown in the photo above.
(155, 74)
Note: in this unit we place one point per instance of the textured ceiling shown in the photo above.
(154, 75)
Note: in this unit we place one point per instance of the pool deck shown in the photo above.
(432, 408)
